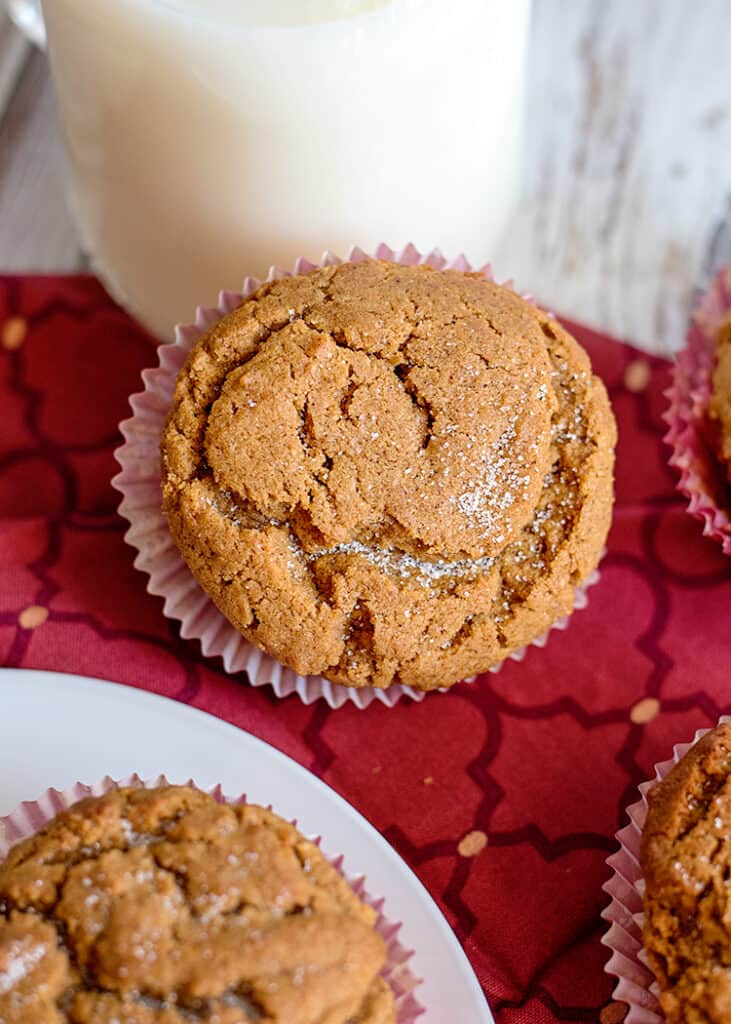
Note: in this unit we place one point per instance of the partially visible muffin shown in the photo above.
(162, 906)
(386, 474)
(686, 862)
(720, 404)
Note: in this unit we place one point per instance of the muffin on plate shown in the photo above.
(388, 474)
(685, 857)
(163, 906)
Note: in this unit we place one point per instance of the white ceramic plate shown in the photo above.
(58, 729)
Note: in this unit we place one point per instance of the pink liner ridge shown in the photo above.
(702, 477)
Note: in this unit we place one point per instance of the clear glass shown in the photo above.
(211, 138)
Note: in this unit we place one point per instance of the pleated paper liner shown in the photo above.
(157, 556)
(636, 983)
(703, 478)
(32, 815)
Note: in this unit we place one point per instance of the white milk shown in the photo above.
(210, 138)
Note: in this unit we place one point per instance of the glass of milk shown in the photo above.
(209, 139)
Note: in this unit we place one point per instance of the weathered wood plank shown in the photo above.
(629, 135)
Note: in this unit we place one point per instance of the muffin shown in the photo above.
(384, 474)
(719, 407)
(163, 906)
(699, 412)
(685, 857)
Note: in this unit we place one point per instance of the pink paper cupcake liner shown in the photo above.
(702, 477)
(32, 815)
(636, 983)
(169, 576)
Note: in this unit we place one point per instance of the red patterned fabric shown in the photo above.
(539, 760)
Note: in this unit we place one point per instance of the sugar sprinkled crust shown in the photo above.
(162, 906)
(686, 862)
(386, 474)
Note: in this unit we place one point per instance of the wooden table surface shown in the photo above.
(627, 161)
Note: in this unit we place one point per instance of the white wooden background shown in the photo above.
(627, 164)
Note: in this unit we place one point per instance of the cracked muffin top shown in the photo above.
(720, 403)
(163, 906)
(386, 474)
(686, 862)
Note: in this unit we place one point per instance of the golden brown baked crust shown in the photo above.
(388, 474)
(720, 404)
(164, 907)
(686, 862)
